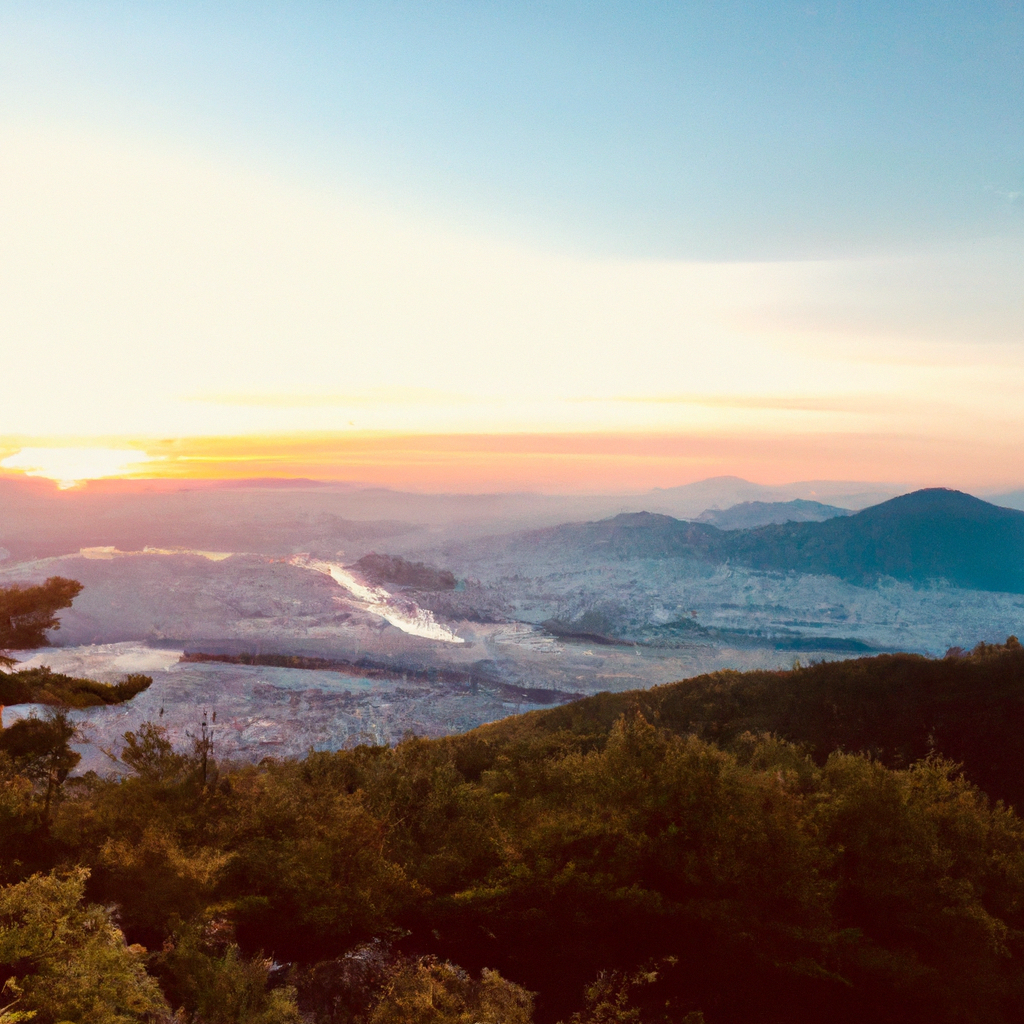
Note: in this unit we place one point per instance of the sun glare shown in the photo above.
(71, 466)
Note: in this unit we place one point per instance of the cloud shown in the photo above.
(148, 292)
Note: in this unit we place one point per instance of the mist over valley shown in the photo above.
(446, 612)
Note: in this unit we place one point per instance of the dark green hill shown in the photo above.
(600, 855)
(897, 707)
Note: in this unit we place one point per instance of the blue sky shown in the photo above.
(679, 130)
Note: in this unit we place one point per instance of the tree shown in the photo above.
(41, 750)
(150, 755)
(432, 991)
(26, 613)
(205, 972)
(66, 961)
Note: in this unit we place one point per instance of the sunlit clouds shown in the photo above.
(151, 292)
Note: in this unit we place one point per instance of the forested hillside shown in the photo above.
(898, 708)
(650, 857)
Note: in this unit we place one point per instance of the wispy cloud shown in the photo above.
(865, 404)
(156, 295)
(1009, 194)
(369, 397)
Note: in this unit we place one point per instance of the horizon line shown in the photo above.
(605, 463)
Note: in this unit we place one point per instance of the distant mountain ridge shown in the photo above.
(723, 492)
(748, 515)
(932, 534)
(282, 517)
(636, 535)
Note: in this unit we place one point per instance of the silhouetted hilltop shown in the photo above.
(636, 535)
(398, 571)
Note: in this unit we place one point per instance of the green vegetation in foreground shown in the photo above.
(601, 856)
(899, 708)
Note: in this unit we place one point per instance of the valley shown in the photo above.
(450, 634)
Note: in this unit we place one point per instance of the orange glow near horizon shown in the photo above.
(285, 329)
(548, 463)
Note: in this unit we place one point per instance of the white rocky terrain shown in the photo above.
(662, 602)
(261, 711)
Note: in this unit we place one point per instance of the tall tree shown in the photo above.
(65, 960)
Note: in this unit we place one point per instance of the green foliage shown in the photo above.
(208, 977)
(15, 795)
(9, 1015)
(40, 747)
(898, 707)
(66, 961)
(150, 755)
(20, 820)
(151, 836)
(431, 991)
(930, 874)
(26, 613)
(611, 998)
(309, 863)
(43, 686)
(635, 857)
(40, 750)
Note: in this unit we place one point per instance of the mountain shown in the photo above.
(933, 534)
(38, 521)
(634, 535)
(283, 517)
(723, 492)
(930, 534)
(751, 514)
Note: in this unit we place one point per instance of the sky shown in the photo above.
(559, 245)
